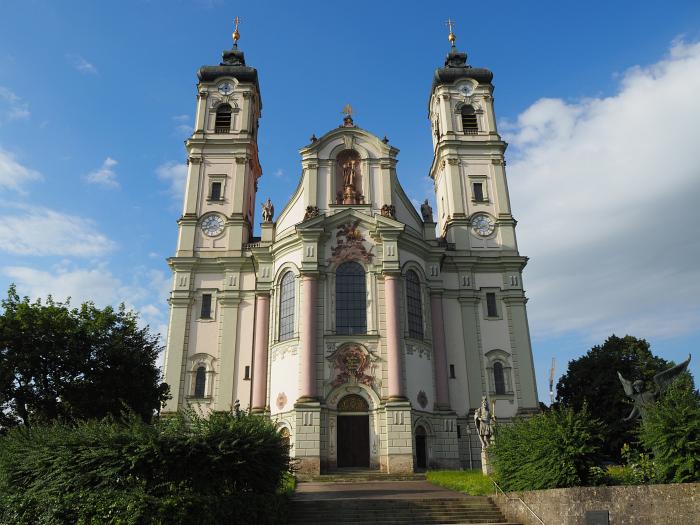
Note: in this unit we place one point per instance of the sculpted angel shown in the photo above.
(643, 397)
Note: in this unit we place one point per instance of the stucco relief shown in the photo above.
(350, 244)
(352, 364)
(420, 350)
(280, 352)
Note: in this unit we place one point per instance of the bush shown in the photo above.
(471, 482)
(671, 430)
(186, 469)
(553, 449)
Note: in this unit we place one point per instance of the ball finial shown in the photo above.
(236, 35)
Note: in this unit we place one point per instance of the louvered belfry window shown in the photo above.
(287, 300)
(223, 119)
(414, 305)
(200, 382)
(499, 379)
(469, 123)
(350, 299)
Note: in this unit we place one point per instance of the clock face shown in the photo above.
(466, 90)
(225, 88)
(483, 225)
(213, 225)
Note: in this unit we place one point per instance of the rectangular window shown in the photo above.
(247, 373)
(452, 372)
(478, 192)
(491, 310)
(459, 432)
(215, 191)
(206, 306)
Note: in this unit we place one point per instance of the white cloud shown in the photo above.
(104, 175)
(182, 126)
(12, 107)
(80, 64)
(175, 175)
(14, 175)
(279, 173)
(606, 190)
(33, 230)
(146, 294)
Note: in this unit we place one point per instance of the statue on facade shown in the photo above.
(268, 211)
(485, 423)
(426, 211)
(643, 397)
(349, 173)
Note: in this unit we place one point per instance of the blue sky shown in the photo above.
(96, 99)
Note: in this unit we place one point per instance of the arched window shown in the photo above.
(284, 436)
(469, 124)
(200, 382)
(414, 305)
(287, 307)
(499, 380)
(223, 119)
(350, 299)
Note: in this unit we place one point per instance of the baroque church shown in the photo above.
(368, 332)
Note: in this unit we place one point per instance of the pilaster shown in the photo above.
(175, 356)
(229, 302)
(470, 320)
(262, 328)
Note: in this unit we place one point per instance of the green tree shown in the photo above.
(592, 379)
(58, 362)
(671, 430)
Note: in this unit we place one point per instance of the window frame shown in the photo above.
(290, 304)
(499, 307)
(498, 367)
(464, 112)
(414, 305)
(220, 127)
(359, 296)
(212, 304)
(200, 380)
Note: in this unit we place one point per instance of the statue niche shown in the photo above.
(348, 179)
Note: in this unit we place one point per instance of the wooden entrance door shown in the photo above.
(353, 441)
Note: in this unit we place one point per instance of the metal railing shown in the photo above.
(499, 489)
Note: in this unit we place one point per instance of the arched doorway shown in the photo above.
(353, 432)
(421, 448)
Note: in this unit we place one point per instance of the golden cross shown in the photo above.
(451, 37)
(347, 110)
(236, 35)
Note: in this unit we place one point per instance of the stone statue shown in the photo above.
(426, 211)
(268, 211)
(485, 423)
(349, 173)
(643, 397)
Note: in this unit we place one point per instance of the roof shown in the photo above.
(233, 66)
(456, 67)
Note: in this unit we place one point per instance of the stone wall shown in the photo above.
(677, 504)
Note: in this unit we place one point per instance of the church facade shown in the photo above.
(369, 332)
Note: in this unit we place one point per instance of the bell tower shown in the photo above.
(222, 158)
(473, 207)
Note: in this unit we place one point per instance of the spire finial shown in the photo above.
(451, 37)
(236, 35)
(347, 121)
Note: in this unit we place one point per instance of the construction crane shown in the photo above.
(551, 381)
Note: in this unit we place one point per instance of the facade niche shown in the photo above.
(348, 178)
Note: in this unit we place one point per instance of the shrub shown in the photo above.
(671, 430)
(186, 469)
(553, 449)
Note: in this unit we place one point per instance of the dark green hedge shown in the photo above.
(552, 449)
(227, 468)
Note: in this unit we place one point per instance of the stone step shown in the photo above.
(351, 477)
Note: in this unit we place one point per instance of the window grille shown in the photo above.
(287, 300)
(215, 191)
(206, 306)
(350, 299)
(414, 305)
(222, 123)
(478, 192)
(499, 380)
(452, 372)
(469, 123)
(200, 382)
(491, 310)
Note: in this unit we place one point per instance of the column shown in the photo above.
(225, 396)
(393, 340)
(262, 330)
(175, 354)
(439, 351)
(307, 383)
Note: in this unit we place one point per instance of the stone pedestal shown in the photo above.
(307, 445)
(400, 445)
(485, 464)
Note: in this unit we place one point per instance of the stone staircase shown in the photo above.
(372, 498)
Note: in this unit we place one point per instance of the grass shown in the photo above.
(471, 482)
(289, 483)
